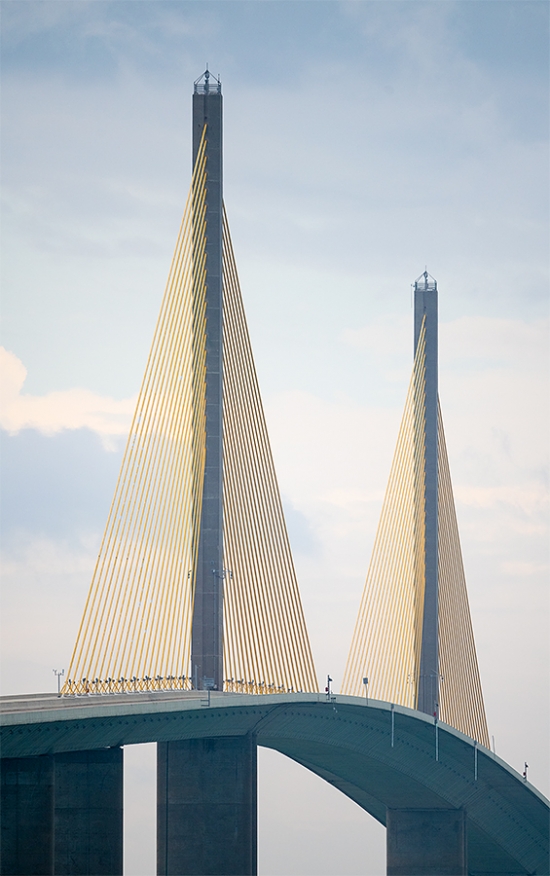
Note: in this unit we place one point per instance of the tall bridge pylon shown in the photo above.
(413, 638)
(194, 585)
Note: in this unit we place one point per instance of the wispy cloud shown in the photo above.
(56, 411)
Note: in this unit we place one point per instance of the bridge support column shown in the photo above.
(207, 807)
(426, 842)
(88, 816)
(26, 813)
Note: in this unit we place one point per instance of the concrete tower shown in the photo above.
(425, 306)
(206, 788)
(207, 644)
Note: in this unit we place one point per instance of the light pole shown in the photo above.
(58, 673)
(435, 699)
(366, 683)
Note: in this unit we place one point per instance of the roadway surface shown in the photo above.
(382, 756)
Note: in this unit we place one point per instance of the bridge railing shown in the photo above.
(169, 682)
(126, 685)
(233, 685)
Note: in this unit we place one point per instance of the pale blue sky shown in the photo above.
(363, 141)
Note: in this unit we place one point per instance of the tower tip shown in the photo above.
(426, 282)
(207, 83)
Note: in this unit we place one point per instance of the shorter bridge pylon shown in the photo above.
(415, 591)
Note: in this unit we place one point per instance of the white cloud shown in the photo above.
(55, 411)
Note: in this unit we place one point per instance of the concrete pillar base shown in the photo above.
(207, 807)
(26, 815)
(88, 816)
(426, 842)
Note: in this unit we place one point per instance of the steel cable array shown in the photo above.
(135, 632)
(387, 639)
(266, 645)
(136, 627)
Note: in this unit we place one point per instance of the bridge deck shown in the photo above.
(379, 755)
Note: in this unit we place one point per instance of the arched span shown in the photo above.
(379, 755)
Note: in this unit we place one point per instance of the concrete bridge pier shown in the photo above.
(26, 815)
(426, 842)
(207, 807)
(88, 813)
(62, 814)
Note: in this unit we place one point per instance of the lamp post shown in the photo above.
(58, 673)
(366, 683)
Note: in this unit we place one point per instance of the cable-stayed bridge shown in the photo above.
(193, 633)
